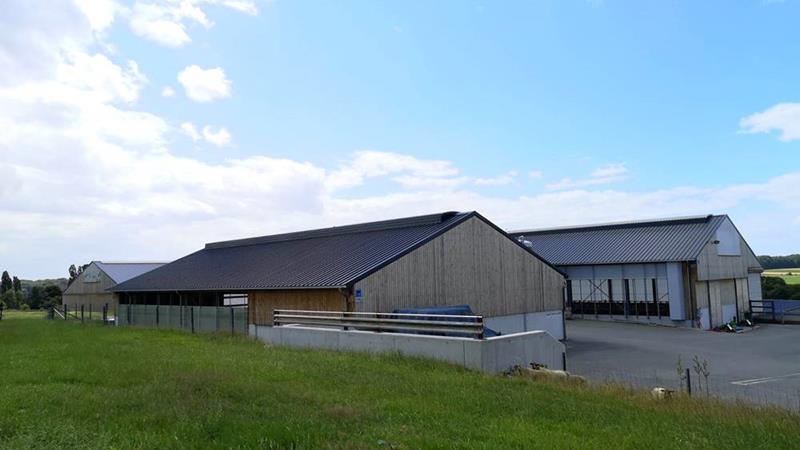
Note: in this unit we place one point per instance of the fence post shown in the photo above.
(688, 382)
(129, 311)
(158, 318)
(65, 311)
(82, 311)
(191, 311)
(233, 326)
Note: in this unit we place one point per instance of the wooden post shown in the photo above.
(82, 310)
(65, 311)
(688, 382)
(191, 311)
(610, 299)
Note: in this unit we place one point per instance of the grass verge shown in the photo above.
(66, 385)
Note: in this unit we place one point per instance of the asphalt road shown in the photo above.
(760, 366)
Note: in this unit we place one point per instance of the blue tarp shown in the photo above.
(458, 310)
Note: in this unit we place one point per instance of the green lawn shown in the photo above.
(67, 385)
(790, 276)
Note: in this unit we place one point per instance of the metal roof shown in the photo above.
(327, 258)
(124, 271)
(661, 240)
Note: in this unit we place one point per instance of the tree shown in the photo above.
(9, 297)
(6, 284)
(73, 273)
(17, 284)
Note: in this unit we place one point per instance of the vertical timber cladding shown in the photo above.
(471, 264)
(261, 304)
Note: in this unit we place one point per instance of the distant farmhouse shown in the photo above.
(692, 271)
(436, 260)
(91, 287)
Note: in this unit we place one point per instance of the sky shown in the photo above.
(140, 130)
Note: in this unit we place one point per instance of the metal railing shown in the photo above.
(434, 324)
(775, 310)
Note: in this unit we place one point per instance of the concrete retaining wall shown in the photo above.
(492, 355)
(550, 321)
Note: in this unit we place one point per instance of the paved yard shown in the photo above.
(761, 366)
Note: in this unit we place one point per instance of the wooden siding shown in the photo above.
(471, 264)
(80, 292)
(261, 304)
(723, 292)
(97, 301)
(712, 266)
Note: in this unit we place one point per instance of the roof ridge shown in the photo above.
(622, 225)
(404, 222)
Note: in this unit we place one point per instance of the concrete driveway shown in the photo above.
(760, 366)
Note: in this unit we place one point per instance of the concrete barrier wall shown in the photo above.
(550, 321)
(492, 355)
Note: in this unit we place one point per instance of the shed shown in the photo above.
(438, 260)
(91, 288)
(691, 271)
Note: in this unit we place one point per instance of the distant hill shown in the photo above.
(60, 282)
(779, 262)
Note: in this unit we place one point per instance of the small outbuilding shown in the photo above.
(435, 260)
(690, 271)
(91, 289)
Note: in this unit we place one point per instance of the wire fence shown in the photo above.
(195, 319)
(755, 392)
(82, 312)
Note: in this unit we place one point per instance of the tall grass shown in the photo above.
(66, 385)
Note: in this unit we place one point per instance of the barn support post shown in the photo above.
(655, 297)
(627, 299)
(708, 296)
(736, 298)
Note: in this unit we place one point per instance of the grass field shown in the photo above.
(791, 276)
(67, 385)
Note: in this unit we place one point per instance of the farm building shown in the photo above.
(427, 261)
(692, 271)
(91, 287)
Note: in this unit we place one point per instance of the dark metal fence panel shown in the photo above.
(193, 319)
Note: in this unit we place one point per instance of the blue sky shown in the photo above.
(323, 113)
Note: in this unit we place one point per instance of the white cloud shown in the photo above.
(167, 91)
(190, 130)
(220, 138)
(204, 85)
(168, 22)
(502, 180)
(87, 174)
(408, 170)
(783, 118)
(535, 174)
(610, 173)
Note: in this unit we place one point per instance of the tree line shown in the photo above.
(779, 262)
(16, 294)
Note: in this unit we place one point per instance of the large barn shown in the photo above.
(91, 288)
(428, 261)
(691, 271)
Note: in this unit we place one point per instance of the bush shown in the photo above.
(24, 307)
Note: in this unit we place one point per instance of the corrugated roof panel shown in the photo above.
(663, 240)
(330, 257)
(119, 271)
